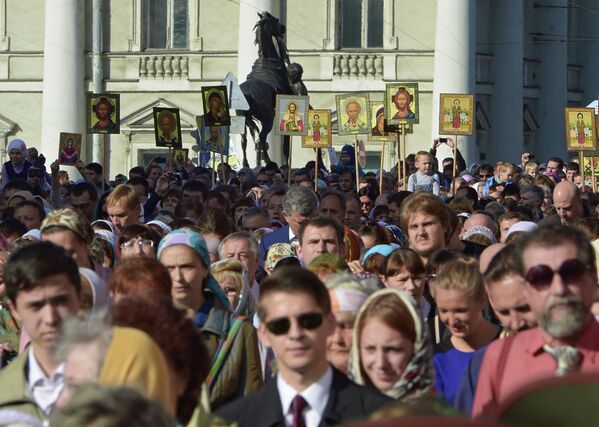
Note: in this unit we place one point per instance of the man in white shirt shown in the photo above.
(295, 310)
(43, 288)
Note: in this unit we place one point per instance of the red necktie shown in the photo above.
(297, 406)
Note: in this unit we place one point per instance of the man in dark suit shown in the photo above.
(296, 319)
(299, 205)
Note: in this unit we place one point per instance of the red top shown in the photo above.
(524, 362)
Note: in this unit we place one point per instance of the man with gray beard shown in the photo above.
(558, 265)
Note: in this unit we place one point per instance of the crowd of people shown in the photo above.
(181, 295)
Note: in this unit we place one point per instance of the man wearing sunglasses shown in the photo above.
(295, 310)
(558, 265)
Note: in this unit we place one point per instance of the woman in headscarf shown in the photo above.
(94, 291)
(233, 279)
(231, 340)
(18, 165)
(391, 350)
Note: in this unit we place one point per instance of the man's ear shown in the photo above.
(263, 335)
(13, 309)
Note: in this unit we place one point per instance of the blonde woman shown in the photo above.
(460, 295)
(391, 350)
(233, 279)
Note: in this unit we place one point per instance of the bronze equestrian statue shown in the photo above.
(271, 74)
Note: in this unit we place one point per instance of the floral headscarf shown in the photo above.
(196, 242)
(418, 376)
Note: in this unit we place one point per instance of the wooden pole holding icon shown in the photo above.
(581, 166)
(356, 163)
(169, 161)
(213, 167)
(398, 162)
(381, 167)
(593, 177)
(289, 162)
(455, 162)
(403, 153)
(316, 170)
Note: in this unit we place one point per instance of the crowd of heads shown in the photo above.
(170, 294)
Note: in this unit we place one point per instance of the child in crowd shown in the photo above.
(424, 179)
(503, 175)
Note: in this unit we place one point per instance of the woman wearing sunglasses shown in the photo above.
(460, 295)
(391, 350)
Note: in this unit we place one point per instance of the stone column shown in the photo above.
(506, 134)
(455, 59)
(63, 90)
(247, 54)
(553, 81)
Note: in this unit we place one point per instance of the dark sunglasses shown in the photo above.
(484, 176)
(308, 321)
(541, 276)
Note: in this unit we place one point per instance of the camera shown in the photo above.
(176, 177)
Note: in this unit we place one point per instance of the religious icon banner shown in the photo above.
(581, 132)
(103, 113)
(456, 114)
(291, 114)
(69, 151)
(167, 127)
(402, 105)
(216, 108)
(319, 130)
(353, 115)
(378, 129)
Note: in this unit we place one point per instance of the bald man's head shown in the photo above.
(480, 219)
(567, 202)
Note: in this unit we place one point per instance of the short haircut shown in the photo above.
(196, 185)
(138, 180)
(430, 204)
(138, 170)
(294, 280)
(29, 265)
(510, 215)
(553, 236)
(78, 189)
(338, 195)
(240, 235)
(501, 265)
(40, 210)
(300, 200)
(123, 195)
(503, 166)
(486, 167)
(571, 166)
(403, 258)
(421, 154)
(560, 162)
(461, 274)
(141, 231)
(140, 276)
(17, 184)
(321, 222)
(94, 167)
(535, 189)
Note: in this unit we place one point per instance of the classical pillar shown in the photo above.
(63, 91)
(506, 133)
(455, 59)
(247, 54)
(553, 81)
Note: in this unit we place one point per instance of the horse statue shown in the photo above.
(271, 74)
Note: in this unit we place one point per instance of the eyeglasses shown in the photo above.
(484, 176)
(541, 276)
(140, 243)
(308, 321)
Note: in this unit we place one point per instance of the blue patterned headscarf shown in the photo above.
(196, 242)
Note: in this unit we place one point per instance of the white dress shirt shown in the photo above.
(317, 396)
(44, 390)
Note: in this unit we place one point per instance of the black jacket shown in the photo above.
(347, 402)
